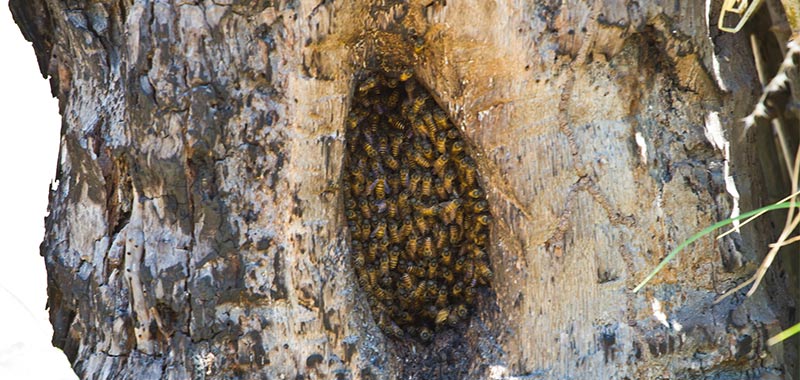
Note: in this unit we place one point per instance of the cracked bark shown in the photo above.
(196, 231)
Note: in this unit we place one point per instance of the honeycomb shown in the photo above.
(418, 218)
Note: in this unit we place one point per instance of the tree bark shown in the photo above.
(197, 231)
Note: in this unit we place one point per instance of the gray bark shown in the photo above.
(196, 230)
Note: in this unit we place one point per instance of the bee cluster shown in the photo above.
(417, 216)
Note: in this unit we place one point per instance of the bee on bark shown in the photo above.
(479, 207)
(483, 219)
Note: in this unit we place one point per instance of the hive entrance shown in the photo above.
(417, 215)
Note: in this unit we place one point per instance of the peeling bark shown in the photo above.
(196, 229)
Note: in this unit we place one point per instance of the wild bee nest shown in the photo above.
(418, 217)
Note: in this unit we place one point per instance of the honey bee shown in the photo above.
(447, 275)
(446, 256)
(441, 237)
(441, 300)
(380, 187)
(391, 162)
(417, 271)
(469, 294)
(363, 278)
(475, 193)
(483, 219)
(425, 334)
(351, 214)
(380, 230)
(469, 270)
(411, 247)
(427, 245)
(394, 146)
(462, 311)
(447, 181)
(477, 253)
(407, 280)
(394, 257)
(419, 102)
(441, 316)
(438, 186)
(433, 265)
(366, 211)
(457, 289)
(454, 232)
(414, 181)
(419, 292)
(396, 123)
(428, 211)
(359, 261)
(427, 183)
(441, 142)
(365, 231)
(393, 99)
(440, 118)
(418, 158)
(384, 244)
(372, 251)
(456, 148)
(483, 271)
(380, 293)
(479, 206)
(406, 75)
(394, 233)
(420, 127)
(370, 150)
(459, 265)
(407, 227)
(384, 266)
(367, 85)
(372, 272)
(440, 163)
(449, 209)
(422, 224)
(356, 187)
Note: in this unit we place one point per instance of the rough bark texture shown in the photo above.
(196, 229)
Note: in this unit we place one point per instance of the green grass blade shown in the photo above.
(706, 231)
(783, 335)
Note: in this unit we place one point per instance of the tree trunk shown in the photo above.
(197, 228)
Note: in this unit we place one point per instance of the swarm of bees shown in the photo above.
(417, 216)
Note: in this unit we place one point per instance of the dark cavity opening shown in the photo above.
(417, 215)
